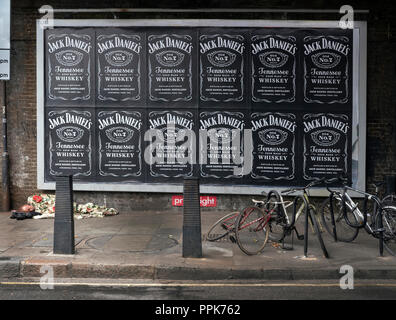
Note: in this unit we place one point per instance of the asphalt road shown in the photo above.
(232, 291)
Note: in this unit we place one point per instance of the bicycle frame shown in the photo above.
(263, 221)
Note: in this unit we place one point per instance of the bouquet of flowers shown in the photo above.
(45, 204)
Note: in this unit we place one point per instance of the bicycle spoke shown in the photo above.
(251, 233)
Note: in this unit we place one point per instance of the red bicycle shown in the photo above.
(252, 232)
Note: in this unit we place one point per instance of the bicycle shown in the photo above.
(277, 217)
(301, 205)
(380, 223)
(255, 224)
(226, 226)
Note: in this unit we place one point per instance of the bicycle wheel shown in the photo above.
(251, 231)
(345, 233)
(222, 227)
(317, 231)
(389, 224)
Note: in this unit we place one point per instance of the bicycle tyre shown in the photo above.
(389, 224)
(250, 236)
(345, 233)
(217, 231)
(317, 231)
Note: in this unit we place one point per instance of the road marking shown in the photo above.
(199, 284)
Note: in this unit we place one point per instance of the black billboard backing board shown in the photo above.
(274, 146)
(326, 145)
(69, 143)
(69, 60)
(120, 67)
(120, 141)
(171, 145)
(327, 65)
(172, 68)
(274, 59)
(223, 67)
(221, 145)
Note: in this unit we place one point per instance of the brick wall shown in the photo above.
(21, 90)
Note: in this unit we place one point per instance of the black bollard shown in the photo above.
(64, 220)
(192, 241)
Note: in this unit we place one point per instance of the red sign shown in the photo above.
(205, 201)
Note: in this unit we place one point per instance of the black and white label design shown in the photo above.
(120, 143)
(274, 141)
(173, 147)
(273, 68)
(221, 65)
(119, 66)
(221, 144)
(69, 64)
(69, 142)
(326, 145)
(170, 67)
(327, 64)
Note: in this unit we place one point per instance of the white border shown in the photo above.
(358, 98)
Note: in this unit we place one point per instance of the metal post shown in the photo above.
(381, 233)
(306, 231)
(332, 216)
(64, 220)
(192, 239)
(5, 157)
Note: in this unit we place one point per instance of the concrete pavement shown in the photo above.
(147, 245)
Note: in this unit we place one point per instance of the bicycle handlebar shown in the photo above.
(309, 185)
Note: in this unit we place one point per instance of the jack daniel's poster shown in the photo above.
(327, 62)
(120, 67)
(223, 67)
(69, 142)
(70, 66)
(274, 143)
(326, 145)
(274, 61)
(171, 68)
(172, 151)
(120, 136)
(221, 145)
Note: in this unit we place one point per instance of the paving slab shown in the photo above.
(149, 245)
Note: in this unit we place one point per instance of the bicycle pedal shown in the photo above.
(233, 240)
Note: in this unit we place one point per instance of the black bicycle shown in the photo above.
(301, 205)
(343, 217)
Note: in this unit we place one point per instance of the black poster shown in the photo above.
(327, 61)
(171, 144)
(70, 66)
(274, 61)
(171, 68)
(120, 136)
(69, 142)
(223, 67)
(274, 146)
(326, 145)
(221, 145)
(120, 55)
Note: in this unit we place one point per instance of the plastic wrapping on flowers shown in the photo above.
(45, 204)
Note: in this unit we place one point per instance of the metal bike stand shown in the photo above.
(381, 234)
(332, 216)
